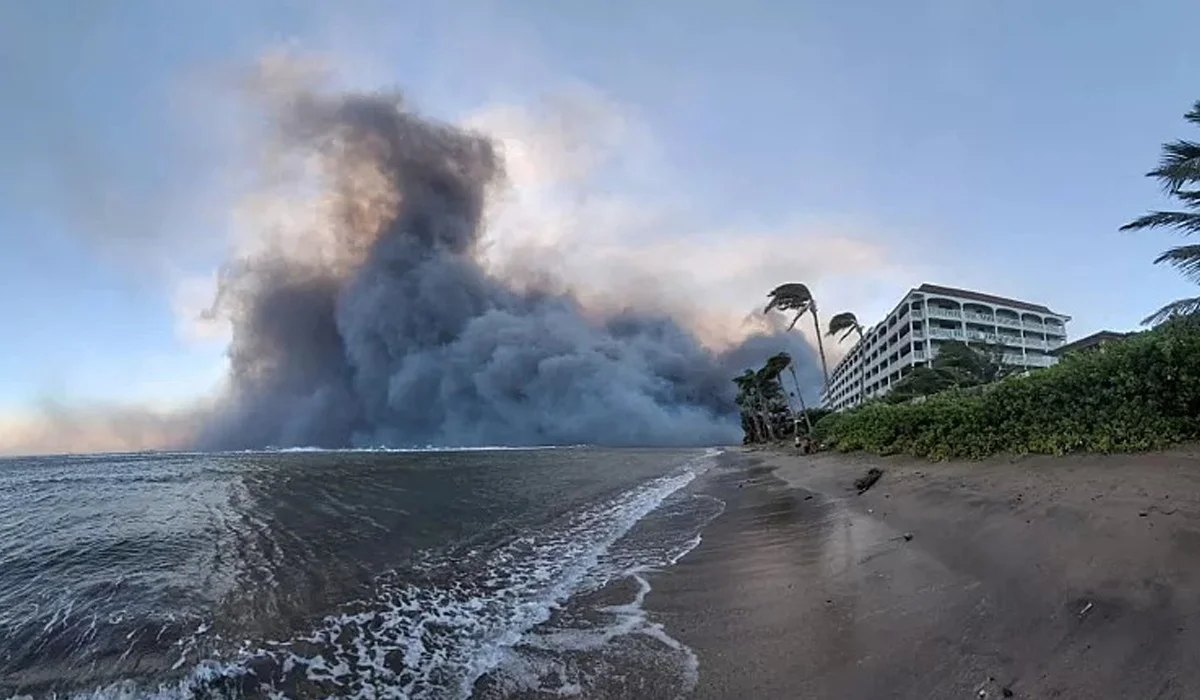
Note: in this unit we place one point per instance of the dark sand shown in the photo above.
(1036, 577)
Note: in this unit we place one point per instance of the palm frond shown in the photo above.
(1187, 222)
(792, 296)
(1185, 258)
(1178, 165)
(845, 323)
(1190, 198)
(1176, 309)
(1193, 116)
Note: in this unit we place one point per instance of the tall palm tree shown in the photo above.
(846, 323)
(795, 296)
(1178, 172)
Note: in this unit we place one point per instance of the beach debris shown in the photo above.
(866, 481)
(1085, 609)
(983, 689)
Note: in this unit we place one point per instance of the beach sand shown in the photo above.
(1034, 577)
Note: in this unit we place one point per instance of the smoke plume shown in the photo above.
(371, 320)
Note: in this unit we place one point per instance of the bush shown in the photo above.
(1140, 393)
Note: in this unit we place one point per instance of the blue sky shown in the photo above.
(991, 144)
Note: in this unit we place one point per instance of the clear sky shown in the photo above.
(995, 144)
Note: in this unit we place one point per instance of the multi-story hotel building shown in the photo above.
(927, 317)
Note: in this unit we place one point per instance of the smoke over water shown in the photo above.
(374, 322)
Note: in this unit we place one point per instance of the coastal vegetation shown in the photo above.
(766, 409)
(1139, 393)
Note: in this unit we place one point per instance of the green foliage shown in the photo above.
(920, 381)
(957, 366)
(763, 400)
(1178, 172)
(1140, 393)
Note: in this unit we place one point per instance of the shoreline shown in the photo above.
(1067, 577)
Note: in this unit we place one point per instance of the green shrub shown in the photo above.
(1140, 393)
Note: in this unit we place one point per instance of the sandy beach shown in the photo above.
(1032, 577)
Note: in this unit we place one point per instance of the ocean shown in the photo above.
(364, 574)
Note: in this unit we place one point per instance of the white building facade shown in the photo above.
(927, 317)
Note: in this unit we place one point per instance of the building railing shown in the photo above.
(946, 333)
(944, 313)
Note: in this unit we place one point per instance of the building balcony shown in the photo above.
(917, 313)
(984, 336)
(978, 318)
(946, 333)
(1009, 322)
(935, 312)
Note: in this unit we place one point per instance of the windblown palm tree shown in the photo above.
(1178, 172)
(776, 364)
(844, 323)
(847, 323)
(795, 296)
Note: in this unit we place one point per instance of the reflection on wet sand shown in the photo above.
(794, 595)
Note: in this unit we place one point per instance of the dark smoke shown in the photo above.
(395, 335)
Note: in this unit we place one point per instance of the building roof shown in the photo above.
(986, 298)
(1089, 340)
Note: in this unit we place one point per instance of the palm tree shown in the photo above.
(755, 392)
(795, 296)
(1178, 172)
(779, 362)
(846, 323)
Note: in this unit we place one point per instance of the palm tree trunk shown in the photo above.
(820, 345)
(800, 398)
(765, 417)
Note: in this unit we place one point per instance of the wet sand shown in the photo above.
(1036, 577)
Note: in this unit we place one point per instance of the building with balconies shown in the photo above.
(1024, 335)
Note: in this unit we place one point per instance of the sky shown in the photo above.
(718, 148)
